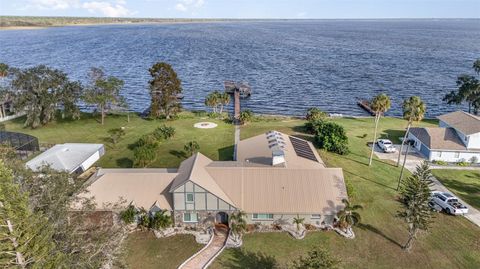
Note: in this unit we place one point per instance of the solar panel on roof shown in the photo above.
(303, 149)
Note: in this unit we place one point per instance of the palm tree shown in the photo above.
(212, 100)
(224, 99)
(298, 221)
(415, 196)
(191, 147)
(238, 225)
(380, 104)
(413, 110)
(348, 217)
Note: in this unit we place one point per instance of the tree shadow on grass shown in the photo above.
(179, 154)
(124, 162)
(226, 153)
(467, 191)
(249, 260)
(368, 227)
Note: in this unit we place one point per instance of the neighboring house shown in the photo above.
(275, 178)
(456, 139)
(69, 157)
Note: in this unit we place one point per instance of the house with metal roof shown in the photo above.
(68, 157)
(457, 139)
(275, 178)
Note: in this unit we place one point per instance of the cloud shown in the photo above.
(52, 4)
(108, 9)
(186, 5)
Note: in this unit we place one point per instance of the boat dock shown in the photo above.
(239, 90)
(366, 106)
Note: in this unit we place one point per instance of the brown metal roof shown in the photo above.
(464, 122)
(439, 138)
(282, 190)
(142, 187)
(255, 151)
(193, 169)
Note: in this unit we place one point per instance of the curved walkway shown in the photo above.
(206, 255)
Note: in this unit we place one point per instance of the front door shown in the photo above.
(221, 218)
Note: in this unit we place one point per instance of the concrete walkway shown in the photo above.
(205, 256)
(237, 140)
(414, 159)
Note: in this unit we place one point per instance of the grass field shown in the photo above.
(145, 251)
(453, 242)
(464, 183)
(215, 143)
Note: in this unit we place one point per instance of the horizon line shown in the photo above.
(226, 18)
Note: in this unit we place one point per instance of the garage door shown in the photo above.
(425, 151)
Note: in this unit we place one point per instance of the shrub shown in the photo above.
(116, 134)
(439, 162)
(463, 163)
(144, 155)
(128, 215)
(474, 160)
(160, 220)
(143, 218)
(312, 126)
(246, 116)
(315, 114)
(147, 140)
(331, 137)
(350, 190)
(164, 132)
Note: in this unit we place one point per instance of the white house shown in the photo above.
(69, 157)
(457, 138)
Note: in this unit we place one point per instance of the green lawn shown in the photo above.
(144, 250)
(215, 143)
(464, 183)
(453, 242)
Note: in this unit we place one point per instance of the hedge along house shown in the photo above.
(457, 138)
(275, 178)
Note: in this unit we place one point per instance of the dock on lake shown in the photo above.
(366, 106)
(239, 90)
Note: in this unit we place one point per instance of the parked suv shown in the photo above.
(386, 145)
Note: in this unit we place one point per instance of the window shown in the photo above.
(190, 217)
(262, 216)
(457, 155)
(316, 216)
(190, 198)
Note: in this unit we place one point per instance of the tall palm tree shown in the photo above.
(413, 110)
(348, 217)
(380, 104)
(298, 222)
(238, 225)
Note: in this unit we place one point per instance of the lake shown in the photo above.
(291, 65)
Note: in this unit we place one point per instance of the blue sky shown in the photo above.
(315, 9)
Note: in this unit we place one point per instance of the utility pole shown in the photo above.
(403, 166)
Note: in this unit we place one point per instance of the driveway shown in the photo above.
(413, 159)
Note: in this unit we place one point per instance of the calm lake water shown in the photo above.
(291, 65)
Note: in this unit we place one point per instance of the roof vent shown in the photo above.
(278, 157)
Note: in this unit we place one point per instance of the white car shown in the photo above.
(386, 145)
(449, 203)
